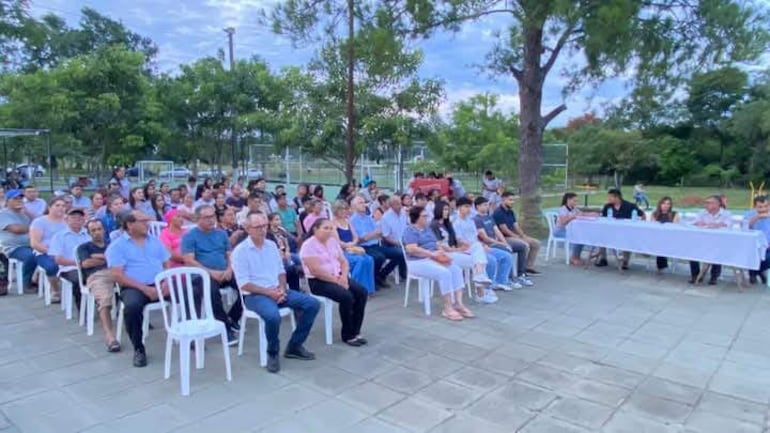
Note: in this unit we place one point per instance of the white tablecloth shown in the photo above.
(738, 248)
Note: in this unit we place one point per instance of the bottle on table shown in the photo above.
(610, 213)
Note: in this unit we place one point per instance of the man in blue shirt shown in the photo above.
(134, 259)
(208, 248)
(759, 219)
(62, 249)
(369, 236)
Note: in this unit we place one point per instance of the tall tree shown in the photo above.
(655, 41)
(13, 14)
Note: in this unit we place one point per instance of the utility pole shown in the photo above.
(233, 139)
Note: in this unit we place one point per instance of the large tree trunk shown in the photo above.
(530, 81)
(350, 143)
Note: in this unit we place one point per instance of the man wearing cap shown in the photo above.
(63, 246)
(14, 234)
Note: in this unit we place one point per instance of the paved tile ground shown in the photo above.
(583, 351)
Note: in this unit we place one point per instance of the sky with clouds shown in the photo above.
(190, 29)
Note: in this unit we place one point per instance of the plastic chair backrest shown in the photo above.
(181, 293)
(155, 227)
(81, 282)
(550, 218)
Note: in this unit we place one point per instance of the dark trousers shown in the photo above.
(763, 266)
(381, 254)
(232, 316)
(716, 270)
(72, 277)
(352, 303)
(134, 301)
(27, 257)
(662, 262)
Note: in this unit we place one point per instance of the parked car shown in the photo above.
(176, 172)
(29, 169)
(212, 173)
(134, 172)
(250, 173)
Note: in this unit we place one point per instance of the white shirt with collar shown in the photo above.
(260, 266)
(723, 216)
(35, 207)
(64, 243)
(465, 229)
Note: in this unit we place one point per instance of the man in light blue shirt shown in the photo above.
(62, 249)
(369, 237)
(759, 219)
(134, 260)
(78, 199)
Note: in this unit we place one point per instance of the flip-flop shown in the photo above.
(113, 346)
(453, 316)
(465, 312)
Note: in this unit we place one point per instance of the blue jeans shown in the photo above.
(362, 270)
(305, 307)
(48, 264)
(499, 265)
(28, 262)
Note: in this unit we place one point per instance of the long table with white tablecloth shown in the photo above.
(738, 248)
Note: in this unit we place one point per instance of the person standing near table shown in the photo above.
(713, 217)
(618, 208)
(664, 213)
(759, 219)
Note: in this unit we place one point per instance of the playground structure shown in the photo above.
(755, 192)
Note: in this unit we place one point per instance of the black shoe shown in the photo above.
(382, 284)
(363, 340)
(235, 325)
(232, 337)
(532, 272)
(752, 279)
(712, 281)
(273, 365)
(763, 278)
(692, 280)
(601, 263)
(354, 342)
(624, 266)
(140, 359)
(298, 352)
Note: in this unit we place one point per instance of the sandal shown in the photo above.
(355, 342)
(362, 340)
(465, 312)
(452, 315)
(113, 346)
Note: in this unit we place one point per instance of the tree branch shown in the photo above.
(557, 49)
(461, 18)
(518, 74)
(552, 114)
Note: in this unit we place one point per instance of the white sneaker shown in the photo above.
(481, 279)
(524, 281)
(489, 293)
(504, 287)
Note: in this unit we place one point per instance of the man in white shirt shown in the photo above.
(63, 245)
(393, 223)
(713, 217)
(261, 277)
(34, 206)
(207, 198)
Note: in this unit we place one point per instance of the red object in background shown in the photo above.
(427, 185)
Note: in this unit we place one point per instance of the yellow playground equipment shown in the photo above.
(760, 190)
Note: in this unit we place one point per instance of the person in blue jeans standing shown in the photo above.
(759, 219)
(260, 274)
(14, 234)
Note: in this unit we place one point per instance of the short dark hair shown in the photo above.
(480, 200)
(464, 201)
(507, 194)
(191, 179)
(760, 199)
(420, 196)
(383, 198)
(93, 221)
(616, 192)
(255, 195)
(414, 213)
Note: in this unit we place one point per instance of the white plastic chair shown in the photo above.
(155, 227)
(184, 326)
(87, 301)
(44, 291)
(328, 306)
(553, 241)
(15, 275)
(248, 314)
(424, 287)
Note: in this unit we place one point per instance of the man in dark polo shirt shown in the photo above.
(505, 219)
(618, 208)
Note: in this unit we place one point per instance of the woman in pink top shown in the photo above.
(327, 272)
(171, 236)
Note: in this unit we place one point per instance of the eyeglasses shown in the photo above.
(259, 226)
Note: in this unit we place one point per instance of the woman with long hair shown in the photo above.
(171, 236)
(465, 255)
(41, 232)
(159, 207)
(287, 246)
(302, 192)
(568, 212)
(327, 272)
(97, 208)
(137, 201)
(361, 264)
(664, 213)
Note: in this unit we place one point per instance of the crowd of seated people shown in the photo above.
(261, 244)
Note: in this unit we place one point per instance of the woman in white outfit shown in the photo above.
(466, 255)
(427, 258)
